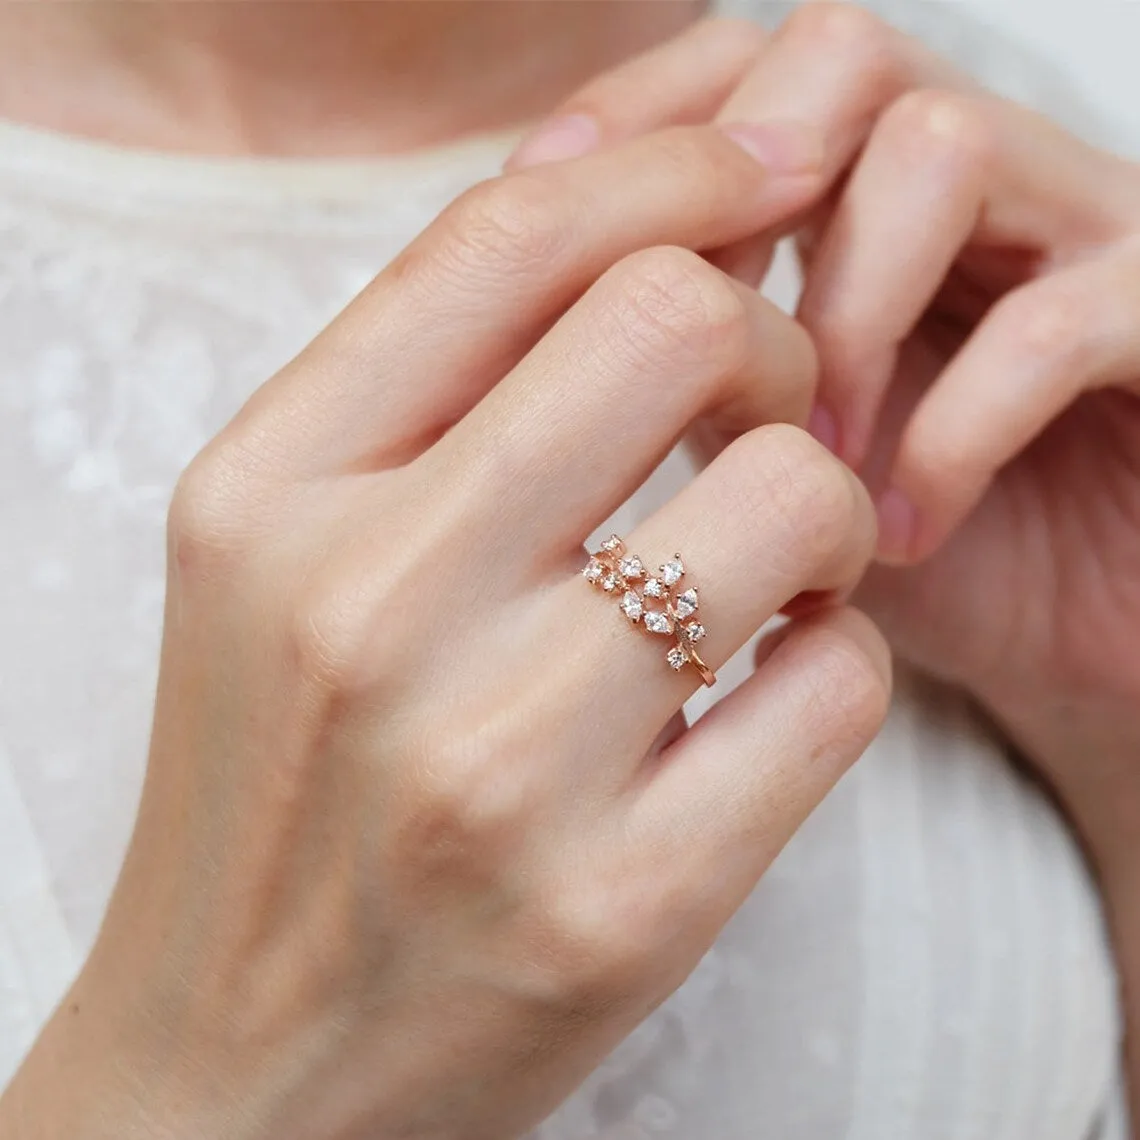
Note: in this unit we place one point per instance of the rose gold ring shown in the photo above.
(659, 602)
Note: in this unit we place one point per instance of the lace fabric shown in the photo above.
(927, 958)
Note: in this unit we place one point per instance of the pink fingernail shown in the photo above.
(567, 136)
(782, 146)
(821, 424)
(898, 522)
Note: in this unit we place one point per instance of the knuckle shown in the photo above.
(594, 943)
(851, 33)
(209, 519)
(847, 684)
(468, 803)
(509, 224)
(326, 638)
(1047, 328)
(941, 122)
(671, 301)
(790, 483)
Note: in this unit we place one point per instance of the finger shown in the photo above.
(661, 339)
(831, 69)
(773, 515)
(911, 204)
(1033, 355)
(471, 295)
(770, 642)
(940, 171)
(683, 80)
(726, 798)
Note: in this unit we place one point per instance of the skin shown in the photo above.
(200, 1014)
(423, 833)
(972, 278)
(309, 78)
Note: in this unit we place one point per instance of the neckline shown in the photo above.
(86, 166)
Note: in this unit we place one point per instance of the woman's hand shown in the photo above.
(423, 833)
(973, 290)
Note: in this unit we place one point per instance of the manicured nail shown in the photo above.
(821, 424)
(567, 136)
(782, 146)
(898, 521)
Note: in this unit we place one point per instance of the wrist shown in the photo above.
(72, 1085)
(100, 1070)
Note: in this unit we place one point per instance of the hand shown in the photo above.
(423, 833)
(973, 289)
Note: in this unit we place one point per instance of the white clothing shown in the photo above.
(927, 959)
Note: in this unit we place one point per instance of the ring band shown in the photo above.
(659, 602)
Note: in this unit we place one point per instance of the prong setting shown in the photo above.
(615, 571)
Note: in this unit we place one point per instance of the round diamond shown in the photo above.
(594, 570)
(695, 630)
(609, 582)
(612, 543)
(654, 588)
(631, 605)
(676, 657)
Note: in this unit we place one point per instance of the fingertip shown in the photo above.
(851, 625)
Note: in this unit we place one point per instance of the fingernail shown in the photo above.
(567, 136)
(898, 521)
(821, 424)
(783, 146)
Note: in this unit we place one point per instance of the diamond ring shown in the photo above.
(660, 602)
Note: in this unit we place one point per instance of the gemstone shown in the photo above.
(594, 570)
(631, 567)
(654, 588)
(657, 622)
(686, 603)
(612, 543)
(676, 657)
(672, 570)
(631, 605)
(695, 630)
(609, 582)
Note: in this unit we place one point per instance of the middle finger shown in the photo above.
(661, 339)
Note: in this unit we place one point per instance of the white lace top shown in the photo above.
(925, 961)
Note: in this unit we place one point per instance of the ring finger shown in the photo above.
(773, 515)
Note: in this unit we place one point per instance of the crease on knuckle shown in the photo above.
(210, 520)
(848, 690)
(328, 636)
(796, 494)
(509, 225)
(675, 310)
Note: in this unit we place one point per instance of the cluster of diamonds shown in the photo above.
(659, 602)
